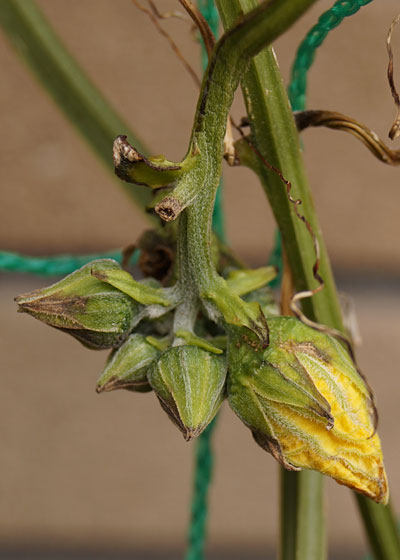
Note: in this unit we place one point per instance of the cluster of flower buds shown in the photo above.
(296, 388)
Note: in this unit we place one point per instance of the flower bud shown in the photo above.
(97, 314)
(189, 383)
(127, 366)
(306, 404)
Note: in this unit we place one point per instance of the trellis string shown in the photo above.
(58, 265)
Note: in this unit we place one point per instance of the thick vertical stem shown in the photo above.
(302, 519)
(310, 540)
(288, 514)
(275, 135)
(233, 51)
(380, 528)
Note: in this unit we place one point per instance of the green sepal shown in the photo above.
(97, 314)
(189, 383)
(244, 281)
(127, 367)
(194, 340)
(123, 281)
(235, 311)
(160, 344)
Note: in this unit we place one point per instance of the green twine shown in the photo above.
(275, 259)
(314, 39)
(210, 12)
(297, 89)
(204, 460)
(59, 265)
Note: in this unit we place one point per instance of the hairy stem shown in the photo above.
(234, 51)
(380, 528)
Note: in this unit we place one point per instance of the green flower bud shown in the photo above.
(189, 383)
(127, 367)
(97, 314)
(306, 404)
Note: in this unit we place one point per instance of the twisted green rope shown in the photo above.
(314, 39)
(297, 89)
(59, 265)
(210, 12)
(204, 460)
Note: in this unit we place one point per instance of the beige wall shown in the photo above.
(82, 468)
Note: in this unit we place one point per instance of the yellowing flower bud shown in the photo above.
(189, 383)
(127, 366)
(307, 405)
(97, 314)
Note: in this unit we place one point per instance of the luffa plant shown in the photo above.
(200, 327)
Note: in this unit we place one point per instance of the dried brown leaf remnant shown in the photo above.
(394, 132)
(338, 121)
(155, 15)
(202, 25)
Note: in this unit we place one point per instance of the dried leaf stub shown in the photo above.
(306, 404)
(134, 167)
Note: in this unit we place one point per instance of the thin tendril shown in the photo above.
(395, 129)
(172, 43)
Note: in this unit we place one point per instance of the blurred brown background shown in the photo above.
(81, 471)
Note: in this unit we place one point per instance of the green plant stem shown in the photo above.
(288, 513)
(274, 134)
(310, 535)
(233, 51)
(38, 45)
(380, 528)
(302, 517)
